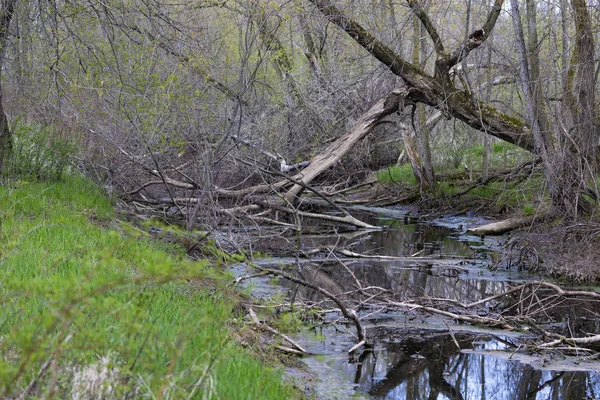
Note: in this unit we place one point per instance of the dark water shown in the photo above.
(428, 366)
(425, 357)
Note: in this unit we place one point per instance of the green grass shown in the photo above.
(510, 195)
(85, 304)
(397, 174)
(517, 196)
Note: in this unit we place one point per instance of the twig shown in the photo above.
(275, 331)
(452, 336)
(349, 314)
(356, 346)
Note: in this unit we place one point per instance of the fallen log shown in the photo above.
(346, 219)
(363, 126)
(507, 225)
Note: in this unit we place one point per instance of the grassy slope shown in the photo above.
(99, 305)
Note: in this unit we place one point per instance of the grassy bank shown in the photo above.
(92, 308)
(519, 192)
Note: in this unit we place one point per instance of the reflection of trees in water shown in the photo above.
(406, 241)
(404, 282)
(432, 369)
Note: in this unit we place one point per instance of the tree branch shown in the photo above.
(476, 38)
(417, 8)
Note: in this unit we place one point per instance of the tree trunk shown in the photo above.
(543, 146)
(584, 113)
(363, 126)
(6, 14)
(436, 91)
(414, 141)
(576, 165)
(420, 58)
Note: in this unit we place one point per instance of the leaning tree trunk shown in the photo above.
(6, 13)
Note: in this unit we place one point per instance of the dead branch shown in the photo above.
(350, 220)
(573, 341)
(348, 314)
(494, 322)
(500, 227)
(274, 331)
(363, 126)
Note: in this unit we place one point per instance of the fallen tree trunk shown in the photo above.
(507, 225)
(365, 124)
(346, 219)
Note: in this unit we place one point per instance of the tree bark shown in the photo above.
(543, 145)
(363, 126)
(6, 14)
(425, 174)
(507, 225)
(584, 113)
(576, 160)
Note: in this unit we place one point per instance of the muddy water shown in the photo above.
(415, 356)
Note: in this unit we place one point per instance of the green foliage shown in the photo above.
(398, 174)
(528, 209)
(38, 153)
(105, 313)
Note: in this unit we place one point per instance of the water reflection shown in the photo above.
(400, 239)
(405, 280)
(428, 364)
(433, 368)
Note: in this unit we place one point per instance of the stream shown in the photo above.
(416, 356)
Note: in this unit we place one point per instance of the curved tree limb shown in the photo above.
(439, 93)
(349, 314)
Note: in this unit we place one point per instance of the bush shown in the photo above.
(38, 153)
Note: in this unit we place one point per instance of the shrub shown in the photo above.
(38, 153)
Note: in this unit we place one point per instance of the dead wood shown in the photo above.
(333, 153)
(347, 313)
(347, 219)
(297, 348)
(500, 227)
(491, 311)
(411, 259)
(355, 187)
(363, 126)
(595, 339)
